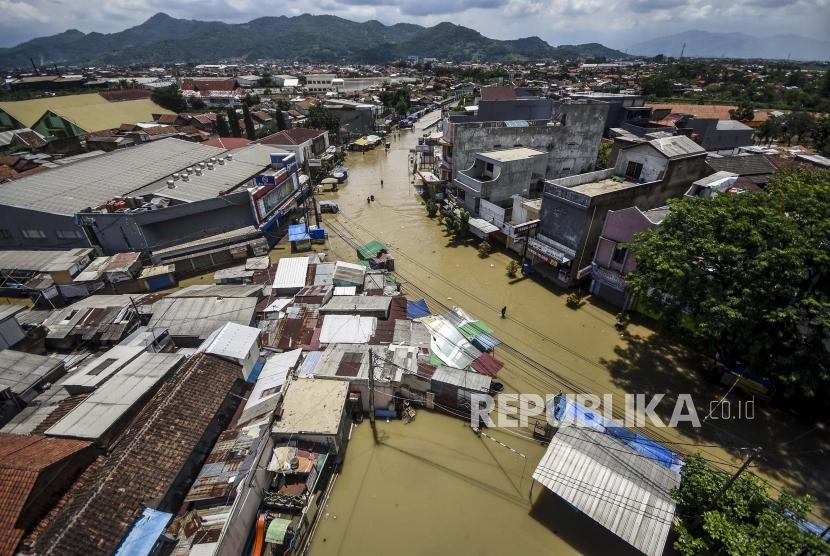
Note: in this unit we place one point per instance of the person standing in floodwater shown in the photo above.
(381, 184)
(504, 312)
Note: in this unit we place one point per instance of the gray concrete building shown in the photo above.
(147, 198)
(570, 136)
(496, 176)
(622, 108)
(718, 135)
(574, 208)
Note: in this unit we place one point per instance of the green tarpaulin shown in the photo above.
(474, 328)
(276, 530)
(370, 249)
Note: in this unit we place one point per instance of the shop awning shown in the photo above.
(482, 228)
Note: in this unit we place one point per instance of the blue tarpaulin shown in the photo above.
(144, 533)
(485, 342)
(417, 309)
(318, 233)
(298, 232)
(570, 413)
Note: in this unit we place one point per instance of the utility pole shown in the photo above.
(727, 485)
(372, 395)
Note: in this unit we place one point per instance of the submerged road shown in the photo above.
(432, 486)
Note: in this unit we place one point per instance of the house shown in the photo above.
(215, 92)
(645, 175)
(34, 471)
(306, 143)
(717, 135)
(755, 170)
(612, 260)
(313, 410)
(320, 83)
(192, 320)
(496, 176)
(152, 464)
(622, 108)
(237, 343)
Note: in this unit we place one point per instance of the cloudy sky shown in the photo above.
(615, 23)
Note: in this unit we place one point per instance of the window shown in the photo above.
(5, 234)
(619, 254)
(97, 369)
(633, 170)
(270, 391)
(69, 234)
(488, 167)
(33, 234)
(462, 194)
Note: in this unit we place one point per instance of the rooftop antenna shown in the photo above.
(682, 50)
(32, 60)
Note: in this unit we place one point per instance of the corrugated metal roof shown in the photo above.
(345, 290)
(271, 380)
(348, 274)
(199, 316)
(219, 290)
(612, 484)
(97, 414)
(20, 371)
(232, 340)
(90, 182)
(347, 329)
(8, 310)
(99, 369)
(462, 379)
(357, 304)
(677, 146)
(291, 273)
(44, 261)
(324, 274)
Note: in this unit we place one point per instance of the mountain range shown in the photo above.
(703, 44)
(318, 38)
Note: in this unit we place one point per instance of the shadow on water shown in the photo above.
(577, 529)
(655, 364)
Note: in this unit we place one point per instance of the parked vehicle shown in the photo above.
(329, 206)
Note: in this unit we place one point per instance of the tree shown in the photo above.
(196, 103)
(769, 130)
(657, 86)
(250, 128)
(222, 126)
(432, 208)
(281, 125)
(233, 120)
(744, 520)
(401, 108)
(743, 113)
(513, 268)
(265, 80)
(484, 249)
(321, 118)
(799, 124)
(170, 98)
(821, 135)
(603, 156)
(752, 273)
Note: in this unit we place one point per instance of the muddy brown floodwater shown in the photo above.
(432, 486)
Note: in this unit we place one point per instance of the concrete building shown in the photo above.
(645, 175)
(152, 197)
(356, 118)
(305, 143)
(718, 135)
(496, 176)
(570, 136)
(612, 260)
(320, 83)
(622, 108)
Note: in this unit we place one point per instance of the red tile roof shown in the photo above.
(293, 136)
(229, 143)
(498, 93)
(147, 462)
(206, 85)
(117, 95)
(168, 119)
(22, 458)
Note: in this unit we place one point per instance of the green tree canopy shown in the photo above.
(321, 118)
(222, 128)
(751, 271)
(170, 98)
(250, 128)
(744, 112)
(743, 521)
(233, 121)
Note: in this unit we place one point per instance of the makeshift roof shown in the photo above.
(612, 484)
(144, 533)
(347, 329)
(743, 165)
(20, 371)
(312, 406)
(357, 304)
(269, 384)
(371, 249)
(298, 232)
(232, 340)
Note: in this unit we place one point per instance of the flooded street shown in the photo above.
(433, 486)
